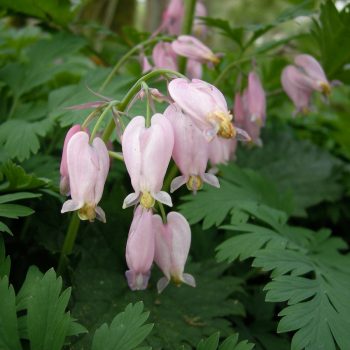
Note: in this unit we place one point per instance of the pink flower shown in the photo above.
(243, 118)
(147, 152)
(172, 244)
(165, 57)
(140, 249)
(200, 29)
(300, 80)
(190, 152)
(207, 106)
(297, 87)
(172, 17)
(221, 150)
(64, 183)
(256, 100)
(145, 65)
(88, 167)
(190, 47)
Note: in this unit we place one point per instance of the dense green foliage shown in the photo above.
(269, 248)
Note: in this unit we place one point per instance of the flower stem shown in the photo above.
(190, 6)
(132, 92)
(69, 240)
(123, 59)
(100, 119)
(116, 155)
(162, 212)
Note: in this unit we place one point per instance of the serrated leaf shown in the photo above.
(126, 331)
(9, 338)
(210, 343)
(230, 343)
(48, 323)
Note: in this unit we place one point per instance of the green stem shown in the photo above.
(116, 155)
(100, 119)
(128, 55)
(171, 174)
(229, 67)
(69, 240)
(190, 6)
(162, 212)
(132, 92)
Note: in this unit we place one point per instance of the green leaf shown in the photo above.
(17, 196)
(297, 167)
(14, 211)
(9, 338)
(5, 261)
(243, 190)
(48, 323)
(126, 331)
(18, 180)
(5, 228)
(230, 343)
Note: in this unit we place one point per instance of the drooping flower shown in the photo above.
(88, 167)
(221, 150)
(200, 29)
(147, 152)
(164, 57)
(192, 48)
(207, 106)
(145, 65)
(256, 100)
(243, 118)
(301, 79)
(172, 244)
(297, 87)
(190, 152)
(64, 183)
(172, 17)
(140, 248)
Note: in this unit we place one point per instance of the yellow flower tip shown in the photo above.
(214, 59)
(147, 201)
(194, 183)
(87, 212)
(325, 88)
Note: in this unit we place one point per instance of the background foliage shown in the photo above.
(270, 247)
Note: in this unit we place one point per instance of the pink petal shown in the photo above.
(164, 56)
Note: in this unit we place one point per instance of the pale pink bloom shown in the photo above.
(243, 118)
(164, 57)
(88, 167)
(200, 29)
(172, 17)
(147, 152)
(298, 87)
(221, 150)
(192, 48)
(140, 249)
(64, 183)
(172, 244)
(190, 152)
(207, 106)
(313, 70)
(256, 100)
(145, 65)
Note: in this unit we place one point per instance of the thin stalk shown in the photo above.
(123, 59)
(190, 6)
(116, 155)
(100, 119)
(171, 174)
(162, 212)
(132, 92)
(69, 240)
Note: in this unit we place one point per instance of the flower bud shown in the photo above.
(88, 166)
(172, 244)
(140, 249)
(256, 100)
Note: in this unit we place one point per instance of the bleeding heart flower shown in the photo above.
(221, 150)
(190, 152)
(190, 47)
(64, 183)
(172, 17)
(200, 29)
(147, 152)
(256, 100)
(140, 249)
(172, 244)
(207, 106)
(88, 167)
